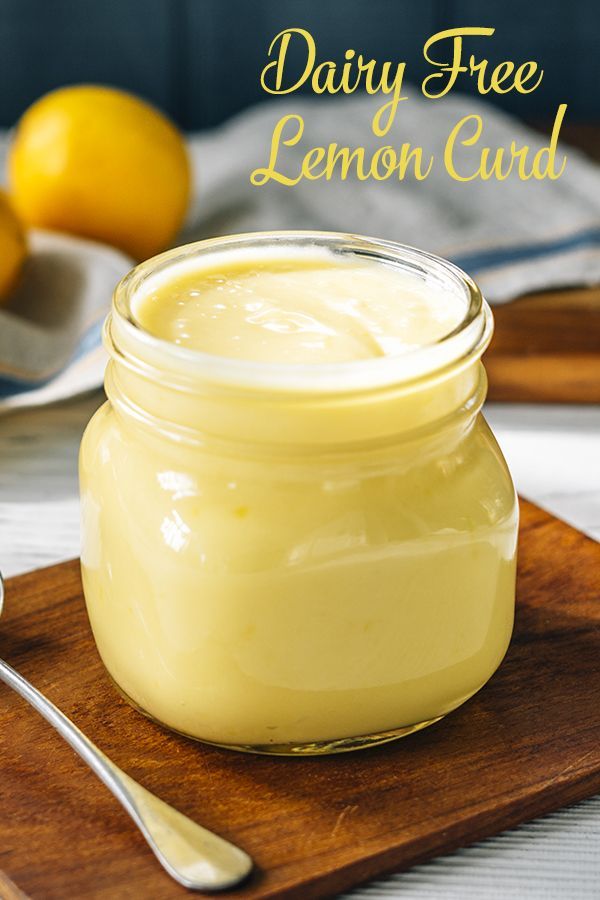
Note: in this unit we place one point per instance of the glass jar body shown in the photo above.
(306, 601)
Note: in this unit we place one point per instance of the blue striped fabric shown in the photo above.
(474, 262)
(90, 340)
(493, 257)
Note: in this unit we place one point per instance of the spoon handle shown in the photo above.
(192, 855)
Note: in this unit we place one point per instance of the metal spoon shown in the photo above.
(193, 856)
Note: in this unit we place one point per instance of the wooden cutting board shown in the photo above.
(546, 349)
(527, 744)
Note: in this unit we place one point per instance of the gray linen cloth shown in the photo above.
(512, 236)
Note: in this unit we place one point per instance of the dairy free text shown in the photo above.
(447, 58)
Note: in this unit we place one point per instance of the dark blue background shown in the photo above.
(201, 59)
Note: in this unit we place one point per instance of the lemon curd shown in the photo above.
(298, 530)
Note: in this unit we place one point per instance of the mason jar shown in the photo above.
(297, 558)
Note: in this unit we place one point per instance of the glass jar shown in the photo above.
(297, 558)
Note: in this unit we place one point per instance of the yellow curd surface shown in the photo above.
(271, 565)
(304, 308)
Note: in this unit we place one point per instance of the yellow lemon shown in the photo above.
(101, 163)
(13, 246)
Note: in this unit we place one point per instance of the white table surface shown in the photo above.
(554, 454)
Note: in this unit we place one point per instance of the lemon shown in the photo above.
(101, 163)
(13, 247)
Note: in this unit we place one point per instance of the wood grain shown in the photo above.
(546, 349)
(527, 744)
(130, 44)
(185, 56)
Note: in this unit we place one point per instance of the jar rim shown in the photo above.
(144, 350)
